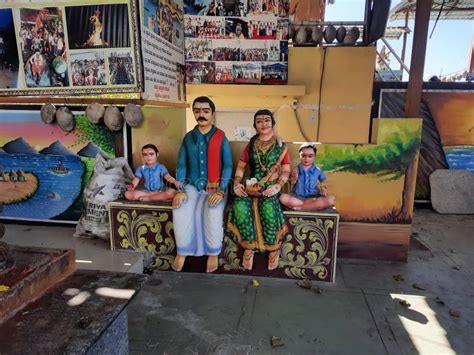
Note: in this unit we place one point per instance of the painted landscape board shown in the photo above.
(460, 157)
(447, 135)
(43, 170)
(453, 113)
(81, 47)
(374, 185)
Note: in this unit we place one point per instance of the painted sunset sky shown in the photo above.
(28, 125)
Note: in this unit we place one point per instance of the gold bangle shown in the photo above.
(237, 179)
(221, 193)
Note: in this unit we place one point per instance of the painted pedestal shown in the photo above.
(309, 251)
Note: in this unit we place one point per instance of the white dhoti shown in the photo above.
(198, 228)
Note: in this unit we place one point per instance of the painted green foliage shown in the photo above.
(97, 134)
(391, 157)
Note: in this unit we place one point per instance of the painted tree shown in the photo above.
(394, 158)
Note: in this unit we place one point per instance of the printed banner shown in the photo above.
(81, 48)
(236, 41)
(162, 49)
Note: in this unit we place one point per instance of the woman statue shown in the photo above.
(256, 220)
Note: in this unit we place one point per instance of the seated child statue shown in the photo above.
(153, 173)
(305, 178)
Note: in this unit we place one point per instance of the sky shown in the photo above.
(28, 124)
(448, 50)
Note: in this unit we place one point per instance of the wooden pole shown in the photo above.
(418, 53)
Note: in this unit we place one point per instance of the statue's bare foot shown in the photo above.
(273, 259)
(178, 262)
(212, 263)
(247, 263)
(144, 198)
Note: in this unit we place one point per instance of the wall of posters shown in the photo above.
(162, 49)
(236, 41)
(85, 47)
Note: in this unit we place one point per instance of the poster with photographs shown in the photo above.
(88, 68)
(245, 36)
(226, 50)
(121, 67)
(200, 72)
(163, 30)
(204, 27)
(199, 50)
(84, 47)
(9, 61)
(98, 26)
(224, 73)
(43, 48)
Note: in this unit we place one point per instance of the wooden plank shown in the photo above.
(15, 100)
(194, 90)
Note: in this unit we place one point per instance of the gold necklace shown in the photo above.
(265, 147)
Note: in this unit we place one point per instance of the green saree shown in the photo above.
(258, 223)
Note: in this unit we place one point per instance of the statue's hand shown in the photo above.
(239, 190)
(294, 176)
(324, 191)
(215, 198)
(179, 198)
(272, 190)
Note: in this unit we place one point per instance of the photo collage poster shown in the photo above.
(85, 48)
(236, 41)
(163, 49)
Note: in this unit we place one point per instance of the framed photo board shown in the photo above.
(69, 48)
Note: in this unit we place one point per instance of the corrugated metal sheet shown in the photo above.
(450, 10)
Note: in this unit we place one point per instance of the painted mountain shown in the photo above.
(57, 148)
(91, 151)
(19, 146)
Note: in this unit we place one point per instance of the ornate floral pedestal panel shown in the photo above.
(308, 251)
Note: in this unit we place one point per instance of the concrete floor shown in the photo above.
(179, 313)
(91, 254)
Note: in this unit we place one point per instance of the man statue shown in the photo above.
(205, 169)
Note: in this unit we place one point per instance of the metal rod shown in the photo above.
(403, 66)
(405, 36)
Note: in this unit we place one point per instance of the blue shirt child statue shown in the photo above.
(309, 191)
(153, 174)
